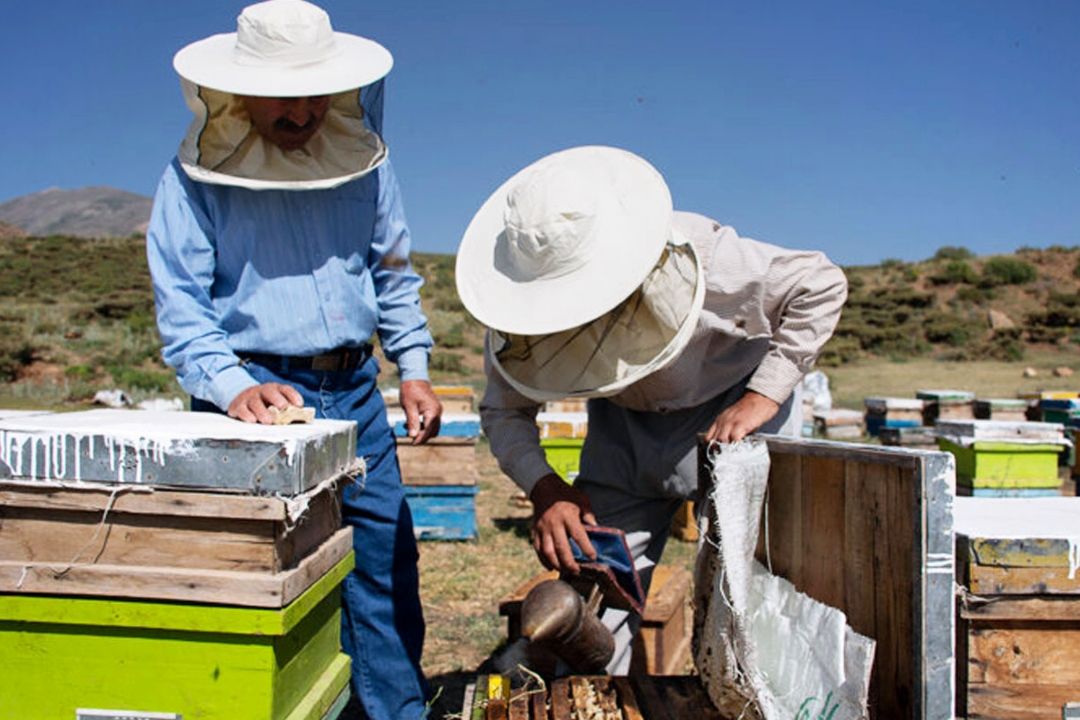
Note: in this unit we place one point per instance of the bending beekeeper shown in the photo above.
(278, 246)
(673, 325)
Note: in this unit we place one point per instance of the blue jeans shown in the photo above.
(382, 623)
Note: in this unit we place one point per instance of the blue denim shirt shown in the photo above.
(282, 272)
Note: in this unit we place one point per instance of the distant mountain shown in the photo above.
(86, 212)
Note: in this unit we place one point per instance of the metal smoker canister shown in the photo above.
(555, 615)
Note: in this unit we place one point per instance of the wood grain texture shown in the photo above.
(843, 528)
(250, 589)
(170, 529)
(1050, 607)
(990, 580)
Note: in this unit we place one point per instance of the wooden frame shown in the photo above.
(868, 530)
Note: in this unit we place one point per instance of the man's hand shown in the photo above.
(558, 513)
(749, 412)
(252, 405)
(422, 410)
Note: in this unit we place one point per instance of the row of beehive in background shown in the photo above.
(441, 475)
(1004, 447)
(154, 563)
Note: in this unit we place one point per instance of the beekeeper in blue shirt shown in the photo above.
(278, 246)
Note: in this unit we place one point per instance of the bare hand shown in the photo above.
(558, 513)
(749, 412)
(252, 405)
(422, 410)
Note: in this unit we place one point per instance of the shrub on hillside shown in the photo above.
(953, 252)
(839, 350)
(1076, 270)
(1003, 344)
(975, 295)
(948, 329)
(15, 354)
(1007, 271)
(955, 272)
(1062, 311)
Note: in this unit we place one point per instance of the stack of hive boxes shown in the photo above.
(440, 476)
(172, 565)
(946, 405)
(563, 425)
(1004, 459)
(839, 424)
(892, 412)
(1019, 649)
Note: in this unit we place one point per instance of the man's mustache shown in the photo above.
(290, 127)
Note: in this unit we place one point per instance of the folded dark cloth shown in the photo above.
(613, 569)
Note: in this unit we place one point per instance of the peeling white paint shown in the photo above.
(51, 446)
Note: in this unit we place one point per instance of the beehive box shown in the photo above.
(167, 545)
(1019, 650)
(867, 529)
(1008, 409)
(993, 455)
(946, 405)
(440, 479)
(890, 412)
(62, 654)
(839, 424)
(914, 437)
(443, 512)
(562, 424)
(1060, 410)
(663, 644)
(174, 449)
(563, 455)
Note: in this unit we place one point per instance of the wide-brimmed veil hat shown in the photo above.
(574, 266)
(281, 48)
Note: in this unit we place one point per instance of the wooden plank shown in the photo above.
(43, 526)
(782, 527)
(202, 586)
(897, 592)
(1062, 608)
(1024, 653)
(561, 704)
(538, 705)
(1019, 702)
(864, 490)
(820, 573)
(988, 580)
(519, 706)
(143, 501)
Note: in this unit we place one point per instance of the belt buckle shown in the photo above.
(329, 362)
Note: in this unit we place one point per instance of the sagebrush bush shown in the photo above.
(1007, 271)
(953, 252)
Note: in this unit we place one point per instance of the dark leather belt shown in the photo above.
(332, 361)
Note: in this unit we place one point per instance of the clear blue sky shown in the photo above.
(869, 130)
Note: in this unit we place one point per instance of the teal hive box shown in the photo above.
(564, 456)
(60, 654)
(442, 512)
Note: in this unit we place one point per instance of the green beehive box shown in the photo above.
(60, 655)
(1000, 464)
(564, 455)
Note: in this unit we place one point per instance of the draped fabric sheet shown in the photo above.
(762, 648)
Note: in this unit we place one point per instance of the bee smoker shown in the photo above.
(556, 618)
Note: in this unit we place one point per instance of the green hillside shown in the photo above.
(76, 316)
